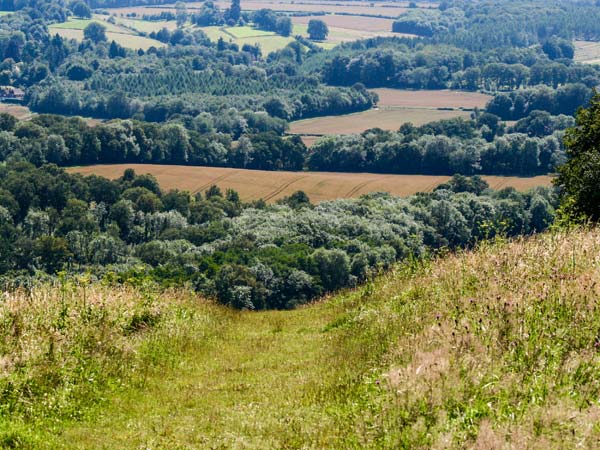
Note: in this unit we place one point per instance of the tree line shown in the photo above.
(70, 141)
(482, 146)
(402, 63)
(532, 146)
(251, 256)
(490, 24)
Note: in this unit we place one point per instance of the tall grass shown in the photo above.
(64, 348)
(492, 348)
(495, 348)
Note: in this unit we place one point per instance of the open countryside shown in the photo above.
(19, 111)
(268, 40)
(127, 31)
(352, 8)
(386, 119)
(273, 379)
(403, 98)
(357, 23)
(272, 186)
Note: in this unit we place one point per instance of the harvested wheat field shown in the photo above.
(386, 119)
(401, 98)
(271, 186)
(396, 107)
(587, 52)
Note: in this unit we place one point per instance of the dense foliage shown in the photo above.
(483, 146)
(70, 141)
(246, 255)
(417, 64)
(491, 24)
(579, 178)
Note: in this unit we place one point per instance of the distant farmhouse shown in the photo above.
(11, 94)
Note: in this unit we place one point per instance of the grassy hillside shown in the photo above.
(487, 349)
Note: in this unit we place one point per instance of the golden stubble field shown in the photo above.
(395, 107)
(587, 52)
(272, 186)
(404, 98)
(386, 119)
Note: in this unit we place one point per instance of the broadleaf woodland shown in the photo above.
(198, 102)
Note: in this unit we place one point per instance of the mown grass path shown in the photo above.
(253, 385)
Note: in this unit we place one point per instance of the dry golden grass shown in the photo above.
(499, 346)
(401, 98)
(271, 186)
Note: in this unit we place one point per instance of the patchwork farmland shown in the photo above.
(352, 8)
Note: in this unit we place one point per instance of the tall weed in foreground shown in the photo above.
(65, 347)
(494, 348)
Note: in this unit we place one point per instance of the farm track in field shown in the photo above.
(272, 186)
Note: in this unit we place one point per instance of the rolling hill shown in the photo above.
(491, 348)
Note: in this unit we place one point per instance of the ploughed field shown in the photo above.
(272, 186)
(396, 107)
